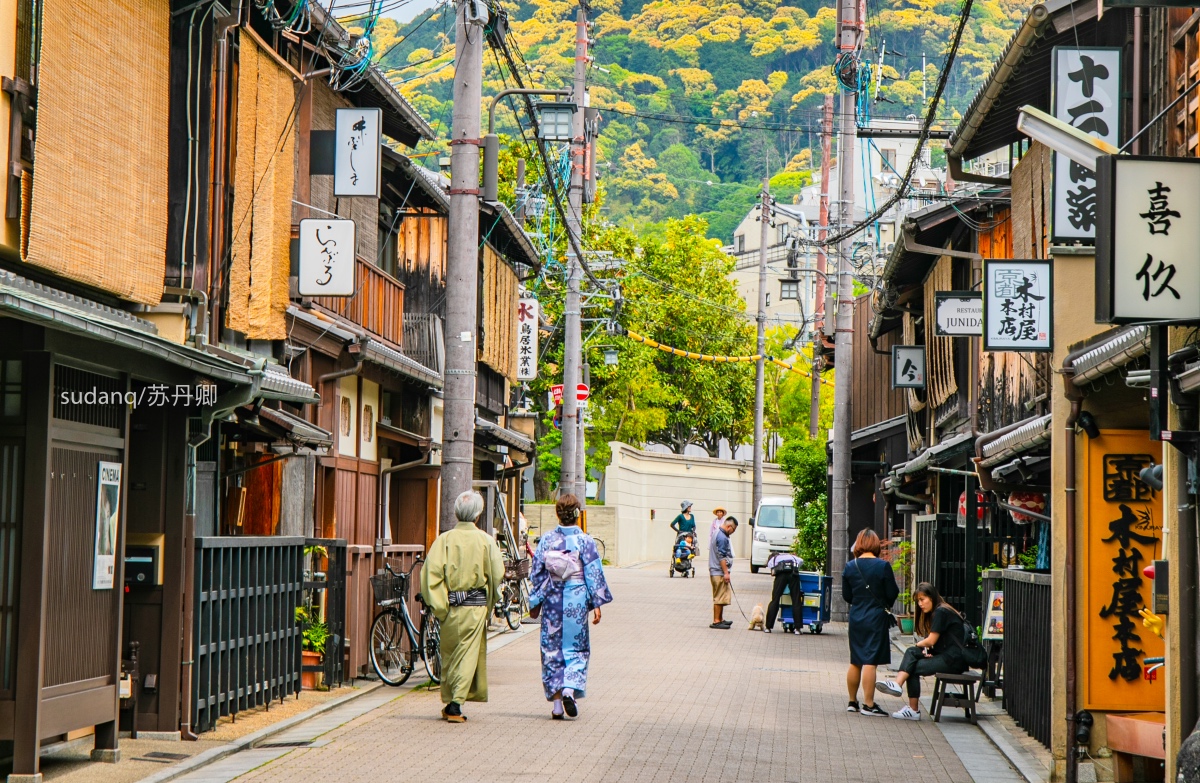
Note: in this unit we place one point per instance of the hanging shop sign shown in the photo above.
(959, 313)
(527, 339)
(1122, 533)
(357, 136)
(108, 523)
(1018, 305)
(1149, 234)
(326, 258)
(908, 367)
(1087, 91)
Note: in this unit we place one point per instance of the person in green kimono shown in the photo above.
(460, 582)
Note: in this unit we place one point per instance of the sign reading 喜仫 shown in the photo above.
(1148, 235)
(1087, 91)
(1018, 305)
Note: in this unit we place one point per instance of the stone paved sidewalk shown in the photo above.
(669, 699)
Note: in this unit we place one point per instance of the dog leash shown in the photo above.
(738, 602)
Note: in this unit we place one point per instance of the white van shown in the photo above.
(774, 528)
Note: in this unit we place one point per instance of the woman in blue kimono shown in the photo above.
(568, 584)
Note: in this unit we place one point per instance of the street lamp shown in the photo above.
(555, 121)
(611, 356)
(1062, 138)
(549, 121)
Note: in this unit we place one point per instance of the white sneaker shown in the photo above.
(907, 713)
(889, 687)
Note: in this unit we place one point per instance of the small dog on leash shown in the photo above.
(756, 617)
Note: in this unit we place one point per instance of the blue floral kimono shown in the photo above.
(565, 606)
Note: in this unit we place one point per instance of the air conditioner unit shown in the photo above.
(889, 247)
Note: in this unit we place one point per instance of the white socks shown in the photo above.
(558, 708)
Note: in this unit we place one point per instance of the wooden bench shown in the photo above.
(1138, 745)
(965, 698)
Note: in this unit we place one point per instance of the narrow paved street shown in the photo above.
(669, 699)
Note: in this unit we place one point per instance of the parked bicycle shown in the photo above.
(396, 642)
(514, 593)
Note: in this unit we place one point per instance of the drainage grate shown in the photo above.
(160, 757)
(296, 744)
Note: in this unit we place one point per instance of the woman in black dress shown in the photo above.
(869, 586)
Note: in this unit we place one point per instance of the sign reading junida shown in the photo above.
(1018, 298)
(1087, 89)
(1149, 237)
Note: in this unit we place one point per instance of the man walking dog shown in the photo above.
(720, 567)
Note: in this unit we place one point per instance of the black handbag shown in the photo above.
(892, 619)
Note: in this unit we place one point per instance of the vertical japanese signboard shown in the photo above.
(527, 339)
(1148, 239)
(1018, 305)
(326, 258)
(1087, 92)
(358, 136)
(1121, 522)
(908, 367)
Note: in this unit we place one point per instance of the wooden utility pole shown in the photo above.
(462, 264)
(814, 413)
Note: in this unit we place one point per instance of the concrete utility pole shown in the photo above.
(760, 366)
(850, 30)
(462, 264)
(573, 444)
(814, 412)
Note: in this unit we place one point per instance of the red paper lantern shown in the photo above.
(1030, 501)
(980, 508)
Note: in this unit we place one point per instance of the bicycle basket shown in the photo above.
(388, 588)
(517, 570)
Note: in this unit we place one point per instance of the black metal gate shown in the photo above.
(333, 666)
(247, 642)
(1027, 632)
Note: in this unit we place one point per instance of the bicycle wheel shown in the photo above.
(431, 647)
(391, 649)
(512, 608)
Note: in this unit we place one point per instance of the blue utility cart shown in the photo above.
(817, 599)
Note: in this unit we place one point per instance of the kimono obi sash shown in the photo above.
(564, 565)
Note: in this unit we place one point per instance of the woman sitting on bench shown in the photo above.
(939, 651)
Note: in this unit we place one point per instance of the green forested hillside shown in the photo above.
(701, 97)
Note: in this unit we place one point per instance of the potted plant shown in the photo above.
(902, 565)
(314, 635)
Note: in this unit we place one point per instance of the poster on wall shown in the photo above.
(347, 416)
(1087, 92)
(367, 418)
(993, 623)
(1123, 534)
(108, 521)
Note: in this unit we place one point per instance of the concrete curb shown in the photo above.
(250, 740)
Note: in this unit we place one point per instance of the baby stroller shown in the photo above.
(682, 556)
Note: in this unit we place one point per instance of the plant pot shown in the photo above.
(309, 680)
(906, 623)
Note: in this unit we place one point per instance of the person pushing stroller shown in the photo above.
(683, 555)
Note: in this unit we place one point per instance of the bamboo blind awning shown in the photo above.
(263, 182)
(499, 348)
(939, 351)
(99, 198)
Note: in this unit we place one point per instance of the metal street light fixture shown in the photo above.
(491, 142)
(1062, 138)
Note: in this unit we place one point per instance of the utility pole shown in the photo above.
(462, 264)
(849, 39)
(814, 412)
(760, 365)
(572, 433)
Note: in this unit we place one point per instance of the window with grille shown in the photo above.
(10, 389)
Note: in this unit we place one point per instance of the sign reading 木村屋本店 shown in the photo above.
(908, 367)
(1121, 525)
(959, 313)
(527, 339)
(1018, 305)
(1087, 91)
(1149, 235)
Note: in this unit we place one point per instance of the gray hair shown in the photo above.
(468, 506)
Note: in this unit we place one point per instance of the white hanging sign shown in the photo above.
(959, 313)
(527, 339)
(1087, 92)
(326, 258)
(358, 137)
(1149, 236)
(908, 367)
(1018, 305)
